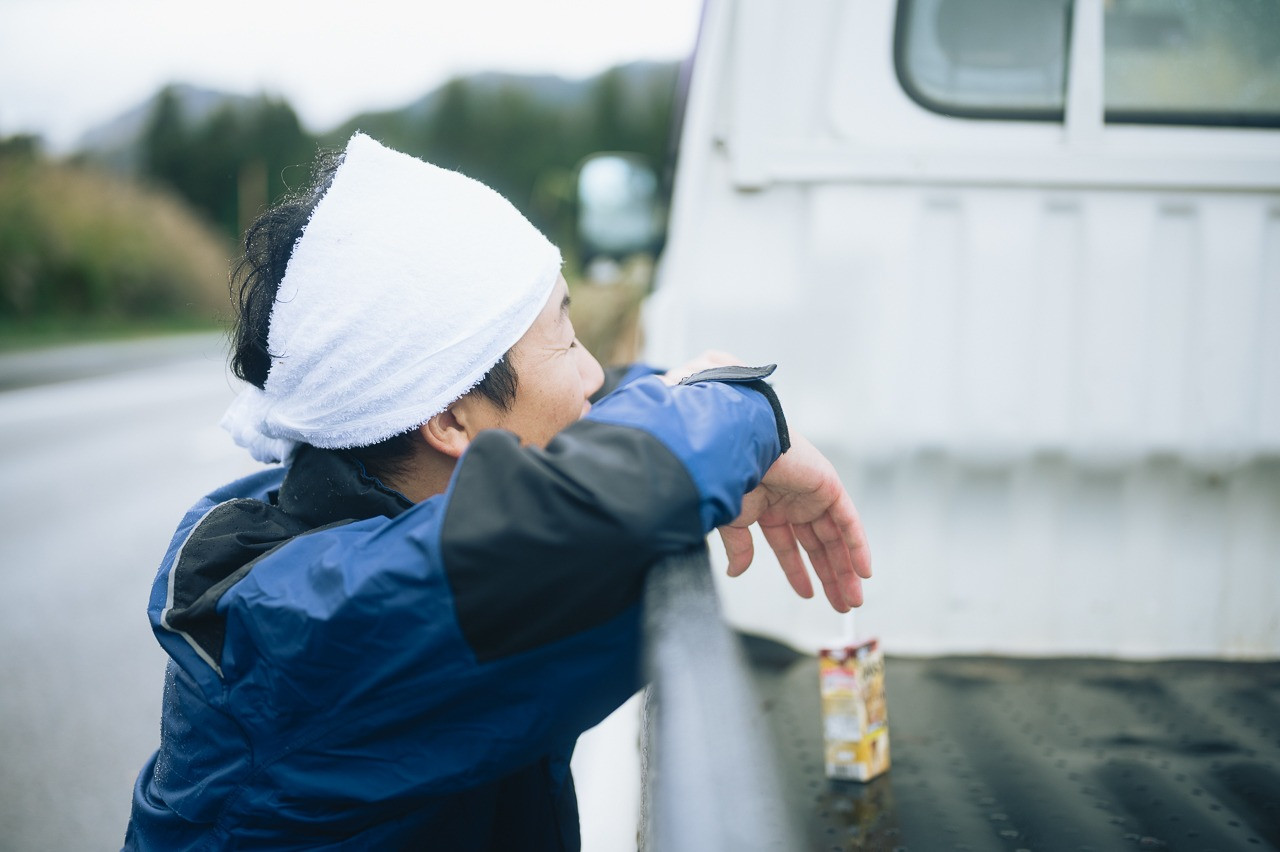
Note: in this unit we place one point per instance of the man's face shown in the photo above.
(555, 375)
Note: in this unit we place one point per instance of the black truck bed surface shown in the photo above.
(1003, 754)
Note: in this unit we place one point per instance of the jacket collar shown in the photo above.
(326, 486)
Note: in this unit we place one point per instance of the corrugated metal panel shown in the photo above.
(1106, 325)
(1060, 410)
(1053, 390)
(1045, 557)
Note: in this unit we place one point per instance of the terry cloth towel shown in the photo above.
(408, 284)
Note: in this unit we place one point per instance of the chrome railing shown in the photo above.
(710, 775)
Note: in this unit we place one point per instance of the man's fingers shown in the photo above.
(845, 573)
(845, 556)
(822, 566)
(854, 538)
(801, 500)
(846, 565)
(738, 547)
(782, 540)
(754, 502)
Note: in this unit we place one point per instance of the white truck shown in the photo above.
(1019, 262)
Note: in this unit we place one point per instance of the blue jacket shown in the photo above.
(353, 671)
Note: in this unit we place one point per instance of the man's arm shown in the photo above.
(649, 472)
(540, 544)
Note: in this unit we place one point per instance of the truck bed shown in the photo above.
(1062, 754)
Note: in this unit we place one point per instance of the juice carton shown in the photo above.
(855, 717)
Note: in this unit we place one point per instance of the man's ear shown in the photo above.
(446, 433)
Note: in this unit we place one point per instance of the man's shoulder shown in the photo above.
(214, 547)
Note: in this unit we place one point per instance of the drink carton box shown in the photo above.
(855, 718)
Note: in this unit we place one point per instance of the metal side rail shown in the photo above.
(711, 780)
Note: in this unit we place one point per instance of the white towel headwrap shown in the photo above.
(408, 284)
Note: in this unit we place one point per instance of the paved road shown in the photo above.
(64, 363)
(94, 474)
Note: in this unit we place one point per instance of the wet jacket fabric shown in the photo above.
(349, 670)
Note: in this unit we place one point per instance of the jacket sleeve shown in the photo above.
(541, 544)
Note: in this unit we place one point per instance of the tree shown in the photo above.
(165, 141)
(233, 163)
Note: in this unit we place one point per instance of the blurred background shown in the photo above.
(137, 140)
(1019, 261)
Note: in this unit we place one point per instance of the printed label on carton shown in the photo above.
(855, 717)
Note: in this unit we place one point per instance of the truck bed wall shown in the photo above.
(1046, 357)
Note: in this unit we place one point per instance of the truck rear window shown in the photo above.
(985, 58)
(1193, 62)
(1213, 62)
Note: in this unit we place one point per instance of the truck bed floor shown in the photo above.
(1061, 754)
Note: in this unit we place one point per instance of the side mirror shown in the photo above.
(620, 212)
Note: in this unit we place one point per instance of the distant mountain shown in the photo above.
(115, 143)
(401, 127)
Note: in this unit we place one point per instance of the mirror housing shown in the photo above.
(620, 209)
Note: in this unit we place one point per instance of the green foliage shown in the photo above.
(75, 243)
(526, 136)
(231, 165)
(21, 146)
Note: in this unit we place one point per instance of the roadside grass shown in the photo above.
(89, 256)
(607, 319)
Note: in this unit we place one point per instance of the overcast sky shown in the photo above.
(67, 65)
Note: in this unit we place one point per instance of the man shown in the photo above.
(394, 640)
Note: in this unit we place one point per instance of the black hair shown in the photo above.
(256, 277)
(255, 281)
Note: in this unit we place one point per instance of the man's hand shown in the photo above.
(800, 500)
